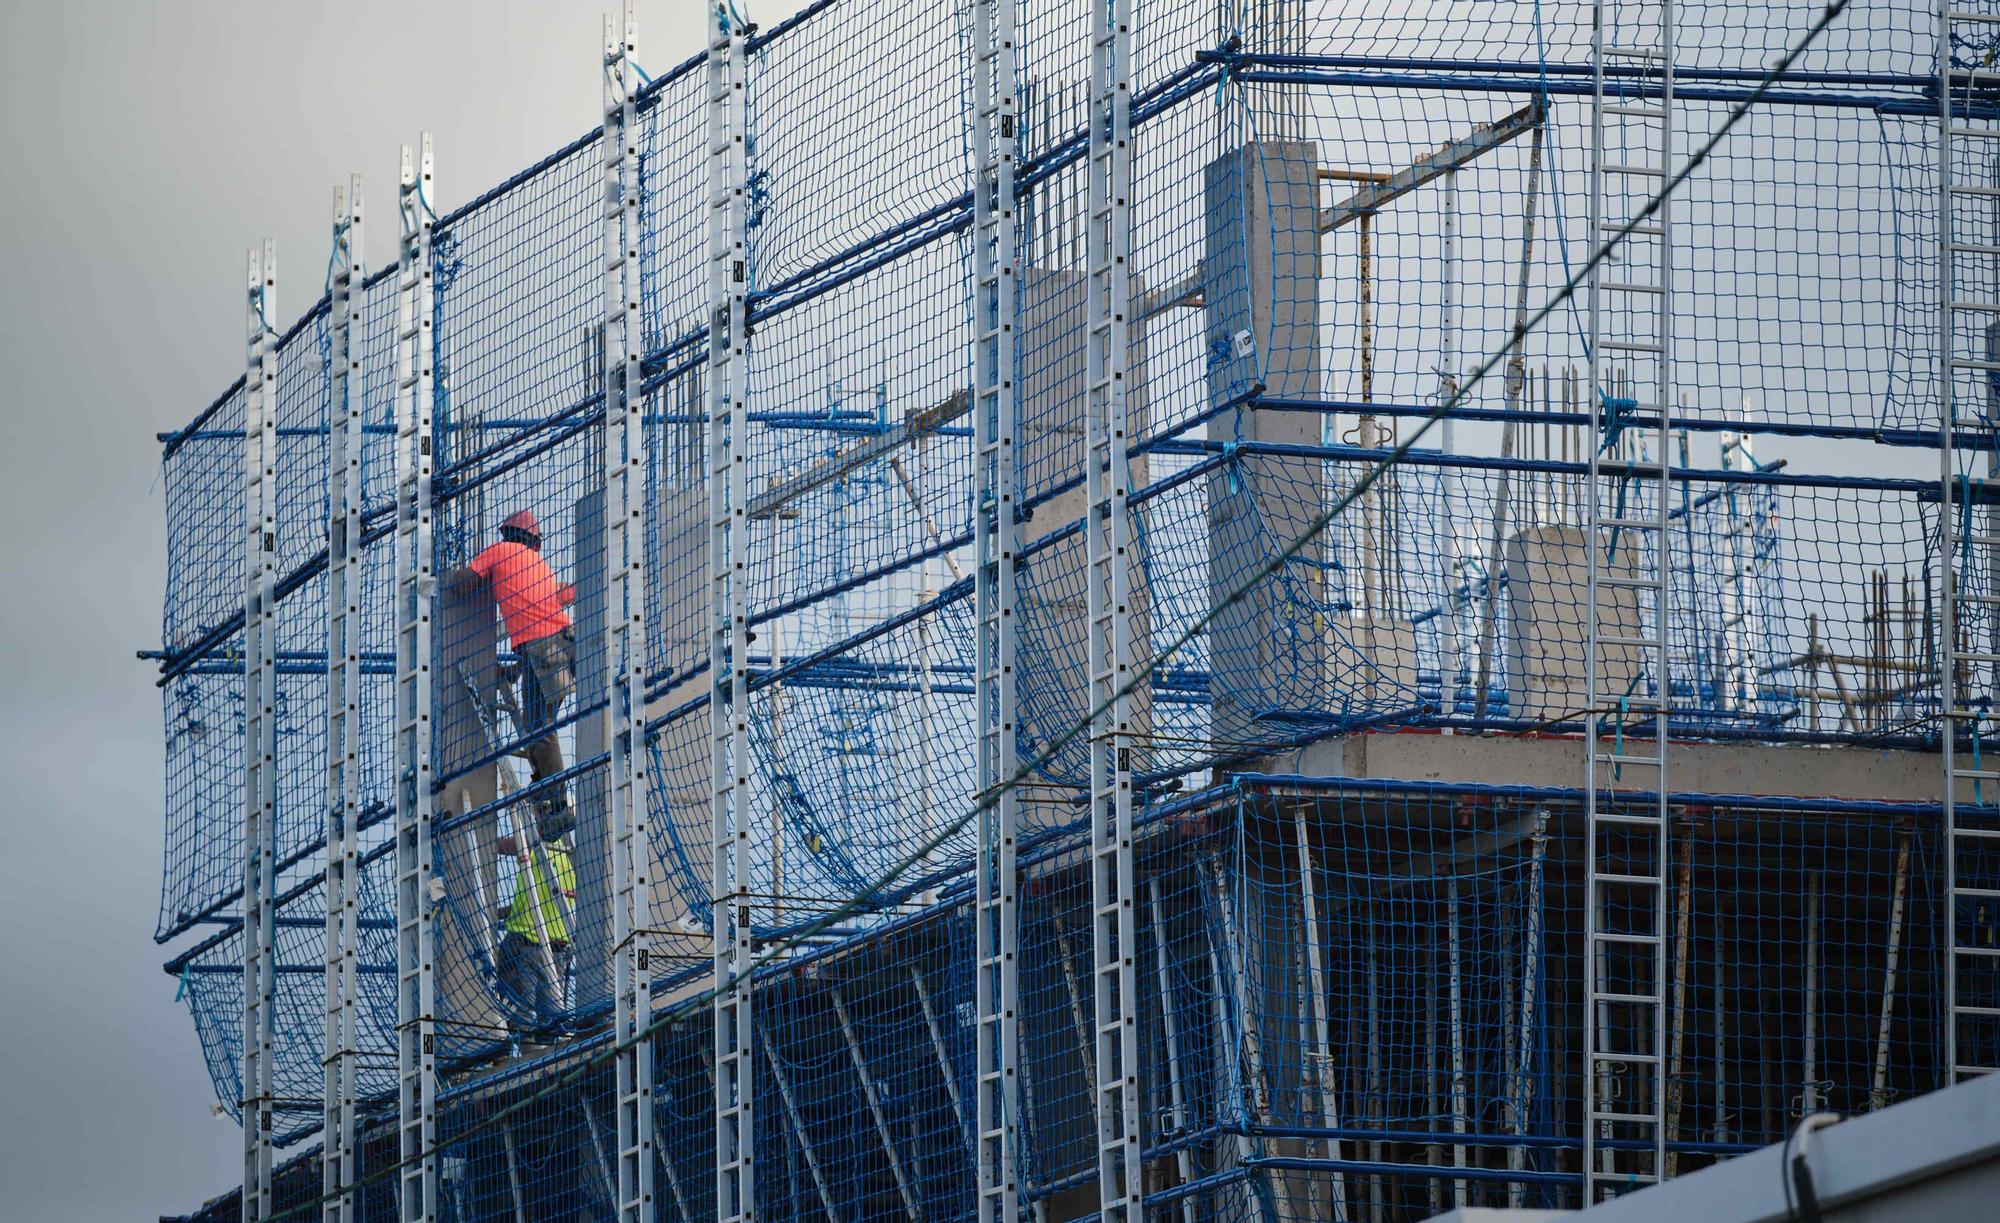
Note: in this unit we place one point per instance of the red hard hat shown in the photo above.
(522, 520)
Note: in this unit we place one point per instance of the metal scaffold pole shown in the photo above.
(1108, 543)
(1968, 135)
(260, 730)
(728, 578)
(625, 624)
(995, 413)
(344, 638)
(1628, 684)
(416, 592)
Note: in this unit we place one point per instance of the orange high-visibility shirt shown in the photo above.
(531, 598)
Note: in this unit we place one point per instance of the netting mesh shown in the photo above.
(1360, 998)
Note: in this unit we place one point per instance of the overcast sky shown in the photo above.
(147, 146)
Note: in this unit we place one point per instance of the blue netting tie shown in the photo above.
(1618, 739)
(1964, 522)
(1617, 415)
(181, 986)
(1977, 760)
(333, 256)
(1226, 56)
(1229, 462)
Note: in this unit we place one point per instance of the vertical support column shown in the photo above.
(416, 592)
(344, 636)
(728, 575)
(260, 728)
(996, 290)
(1108, 547)
(1631, 312)
(625, 626)
(1969, 622)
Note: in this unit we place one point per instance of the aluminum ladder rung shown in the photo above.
(1648, 881)
(1631, 999)
(1637, 940)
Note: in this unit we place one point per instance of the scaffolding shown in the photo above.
(1128, 579)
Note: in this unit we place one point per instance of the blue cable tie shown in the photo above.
(180, 990)
(1618, 740)
(1975, 760)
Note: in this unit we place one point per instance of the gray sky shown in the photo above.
(147, 146)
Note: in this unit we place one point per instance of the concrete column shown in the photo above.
(1260, 280)
(590, 932)
(468, 857)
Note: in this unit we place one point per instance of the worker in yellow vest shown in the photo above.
(534, 957)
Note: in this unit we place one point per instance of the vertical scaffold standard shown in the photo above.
(260, 735)
(996, 290)
(728, 576)
(416, 592)
(345, 591)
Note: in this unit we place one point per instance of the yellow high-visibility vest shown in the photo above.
(521, 914)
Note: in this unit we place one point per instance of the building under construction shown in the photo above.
(1220, 609)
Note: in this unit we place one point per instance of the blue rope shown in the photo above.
(333, 256)
(1618, 739)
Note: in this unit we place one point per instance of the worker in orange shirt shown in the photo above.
(533, 603)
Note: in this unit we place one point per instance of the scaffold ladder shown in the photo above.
(416, 592)
(344, 636)
(728, 578)
(625, 624)
(1969, 621)
(1628, 686)
(1108, 548)
(995, 412)
(260, 730)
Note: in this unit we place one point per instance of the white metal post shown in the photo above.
(416, 592)
(728, 577)
(1108, 547)
(1626, 506)
(344, 637)
(996, 288)
(1968, 301)
(260, 729)
(625, 625)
